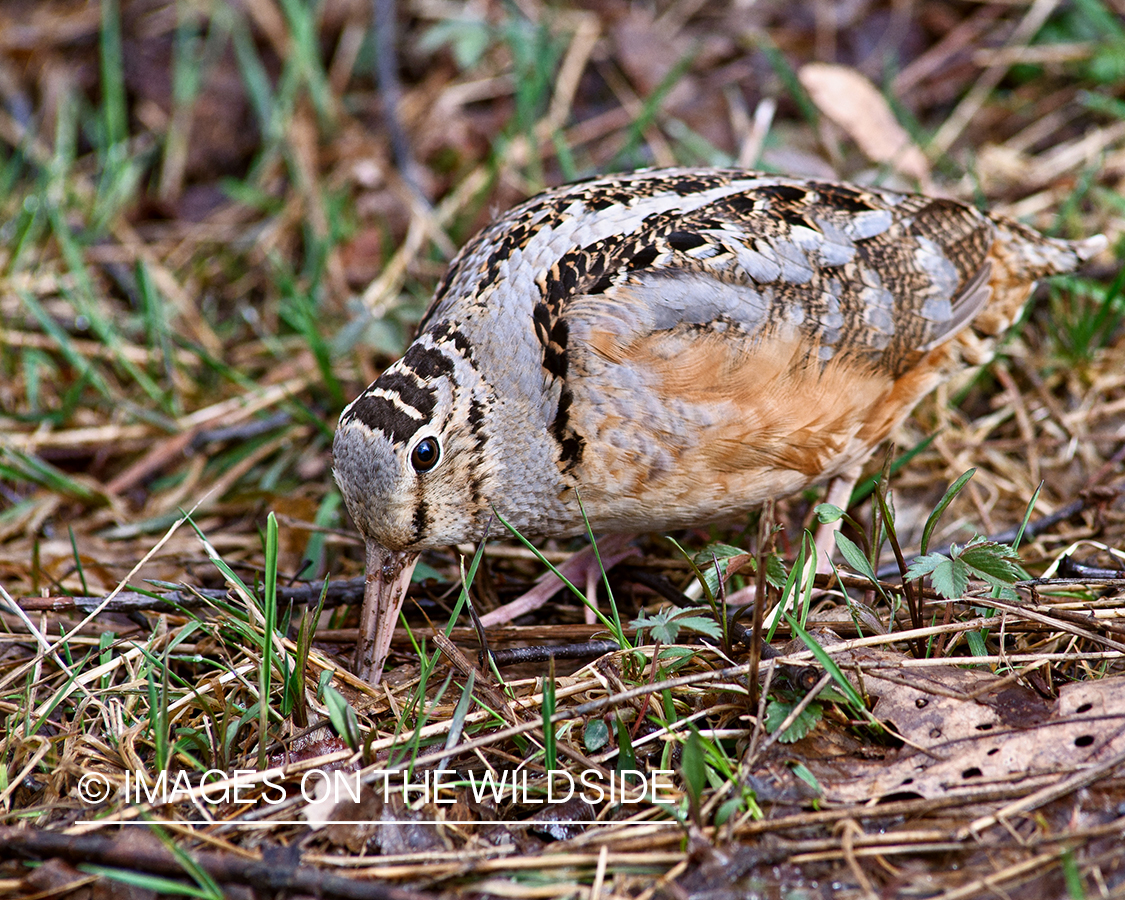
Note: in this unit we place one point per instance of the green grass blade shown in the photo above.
(931, 522)
(269, 623)
(834, 670)
(577, 593)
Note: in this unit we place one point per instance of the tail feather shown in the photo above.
(1020, 256)
(1090, 247)
(1030, 255)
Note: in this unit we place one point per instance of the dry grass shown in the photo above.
(210, 244)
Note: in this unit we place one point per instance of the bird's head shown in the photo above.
(409, 462)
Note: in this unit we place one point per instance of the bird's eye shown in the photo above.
(425, 454)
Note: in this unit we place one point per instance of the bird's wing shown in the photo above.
(878, 277)
(771, 331)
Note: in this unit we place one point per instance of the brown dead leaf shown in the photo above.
(855, 105)
(960, 736)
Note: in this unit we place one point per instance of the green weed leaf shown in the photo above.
(950, 577)
(952, 491)
(992, 561)
(826, 513)
(665, 625)
(855, 558)
(693, 765)
(596, 735)
(341, 715)
(802, 771)
(987, 560)
(777, 711)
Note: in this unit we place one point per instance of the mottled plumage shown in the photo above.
(675, 345)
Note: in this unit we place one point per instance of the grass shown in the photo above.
(188, 239)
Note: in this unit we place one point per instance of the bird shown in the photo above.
(667, 348)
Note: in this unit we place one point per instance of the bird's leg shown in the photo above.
(838, 493)
(593, 576)
(824, 542)
(612, 548)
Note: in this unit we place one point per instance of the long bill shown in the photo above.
(388, 577)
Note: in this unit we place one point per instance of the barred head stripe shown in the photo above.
(410, 390)
(377, 390)
(427, 362)
(382, 414)
(403, 398)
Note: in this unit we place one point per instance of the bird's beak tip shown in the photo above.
(388, 577)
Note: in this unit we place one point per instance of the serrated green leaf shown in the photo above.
(700, 624)
(991, 561)
(659, 623)
(924, 565)
(665, 631)
(950, 578)
(777, 711)
(665, 624)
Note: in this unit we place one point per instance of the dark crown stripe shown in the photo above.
(410, 391)
(383, 415)
(427, 362)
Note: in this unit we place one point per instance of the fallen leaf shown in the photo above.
(855, 104)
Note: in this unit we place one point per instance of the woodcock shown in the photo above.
(674, 347)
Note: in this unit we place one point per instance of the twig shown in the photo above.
(972, 102)
(281, 873)
(584, 650)
(390, 90)
(349, 590)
